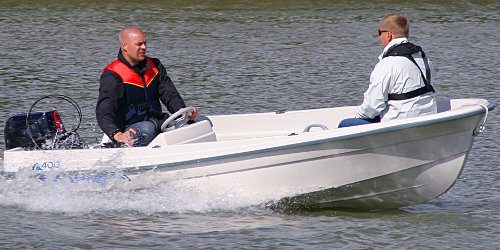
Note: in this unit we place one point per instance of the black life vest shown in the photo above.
(407, 50)
(141, 91)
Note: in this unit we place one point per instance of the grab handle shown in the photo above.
(315, 126)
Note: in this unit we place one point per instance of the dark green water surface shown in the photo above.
(241, 57)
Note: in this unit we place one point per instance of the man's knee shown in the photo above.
(145, 132)
(349, 122)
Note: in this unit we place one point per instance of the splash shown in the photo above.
(112, 191)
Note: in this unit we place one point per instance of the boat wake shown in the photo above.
(112, 192)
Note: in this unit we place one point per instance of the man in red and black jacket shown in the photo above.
(130, 90)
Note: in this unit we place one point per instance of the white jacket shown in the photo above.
(396, 75)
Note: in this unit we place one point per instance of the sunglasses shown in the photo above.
(382, 31)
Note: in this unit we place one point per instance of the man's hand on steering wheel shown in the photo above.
(193, 113)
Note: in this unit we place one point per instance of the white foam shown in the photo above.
(146, 194)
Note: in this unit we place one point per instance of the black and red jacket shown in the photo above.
(128, 95)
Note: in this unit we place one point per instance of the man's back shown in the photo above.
(402, 76)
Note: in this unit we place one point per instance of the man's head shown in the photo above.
(133, 45)
(393, 26)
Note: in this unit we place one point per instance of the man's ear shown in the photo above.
(391, 36)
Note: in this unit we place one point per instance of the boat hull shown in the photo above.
(363, 173)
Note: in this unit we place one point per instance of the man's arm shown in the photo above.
(110, 90)
(375, 97)
(169, 95)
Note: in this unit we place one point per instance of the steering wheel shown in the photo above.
(179, 122)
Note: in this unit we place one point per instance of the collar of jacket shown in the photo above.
(393, 43)
(139, 68)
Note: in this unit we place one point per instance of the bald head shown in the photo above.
(129, 32)
(133, 45)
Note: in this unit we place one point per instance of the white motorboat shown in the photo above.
(293, 158)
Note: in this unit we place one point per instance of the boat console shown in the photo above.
(200, 131)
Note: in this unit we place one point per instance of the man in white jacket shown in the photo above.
(400, 84)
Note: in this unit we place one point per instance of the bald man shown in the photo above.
(131, 90)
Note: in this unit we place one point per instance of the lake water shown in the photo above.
(241, 57)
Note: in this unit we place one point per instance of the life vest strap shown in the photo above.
(411, 94)
(407, 50)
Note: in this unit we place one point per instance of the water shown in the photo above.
(239, 57)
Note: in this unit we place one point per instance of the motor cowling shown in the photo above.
(32, 131)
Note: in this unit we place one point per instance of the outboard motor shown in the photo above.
(32, 130)
(43, 130)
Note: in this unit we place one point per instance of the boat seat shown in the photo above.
(200, 131)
